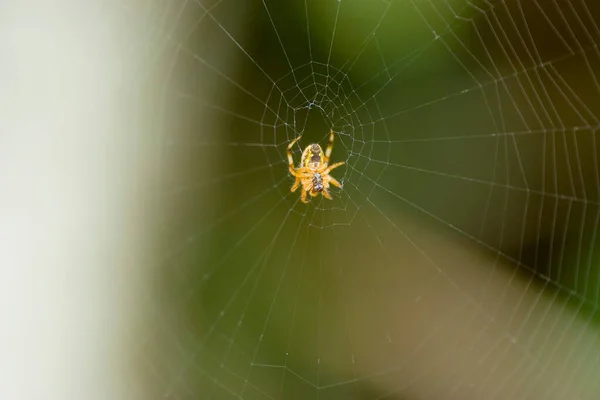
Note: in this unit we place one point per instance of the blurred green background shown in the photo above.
(460, 258)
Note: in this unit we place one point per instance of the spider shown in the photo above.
(313, 173)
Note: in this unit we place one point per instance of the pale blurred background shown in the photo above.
(150, 247)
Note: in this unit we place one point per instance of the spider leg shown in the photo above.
(289, 153)
(298, 172)
(334, 166)
(334, 181)
(329, 147)
(303, 196)
(296, 185)
(326, 194)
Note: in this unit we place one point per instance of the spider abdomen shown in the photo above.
(313, 156)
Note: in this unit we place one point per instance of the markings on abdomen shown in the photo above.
(316, 153)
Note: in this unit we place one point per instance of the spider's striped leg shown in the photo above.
(332, 167)
(289, 153)
(329, 147)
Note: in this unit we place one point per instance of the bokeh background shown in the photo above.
(458, 261)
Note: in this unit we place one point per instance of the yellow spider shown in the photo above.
(313, 173)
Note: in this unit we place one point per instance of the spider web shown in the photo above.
(459, 260)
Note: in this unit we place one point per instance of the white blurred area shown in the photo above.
(70, 244)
